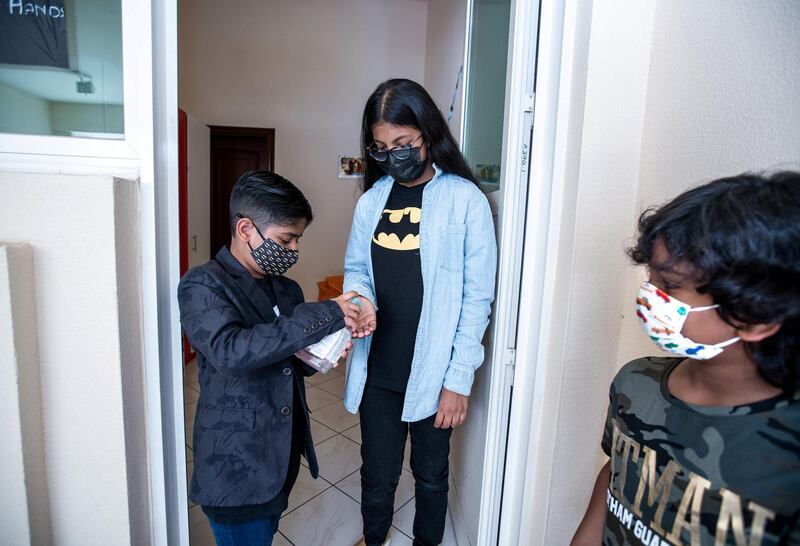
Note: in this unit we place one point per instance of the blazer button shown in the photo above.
(328, 319)
(315, 326)
(307, 330)
(286, 411)
(287, 371)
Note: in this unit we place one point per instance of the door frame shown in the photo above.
(516, 160)
(507, 468)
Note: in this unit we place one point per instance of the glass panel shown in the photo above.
(486, 90)
(61, 68)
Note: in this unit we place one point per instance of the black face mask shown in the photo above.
(404, 170)
(272, 258)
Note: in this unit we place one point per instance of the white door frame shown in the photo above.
(164, 379)
(505, 465)
(539, 304)
(516, 157)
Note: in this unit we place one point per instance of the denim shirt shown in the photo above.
(458, 256)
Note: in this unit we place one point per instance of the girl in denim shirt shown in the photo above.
(422, 256)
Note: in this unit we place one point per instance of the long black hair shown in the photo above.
(406, 103)
(741, 237)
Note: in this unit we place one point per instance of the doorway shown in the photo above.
(234, 151)
(313, 97)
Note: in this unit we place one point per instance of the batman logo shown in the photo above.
(404, 226)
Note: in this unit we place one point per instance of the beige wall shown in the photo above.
(736, 108)
(84, 235)
(306, 70)
(198, 152)
(444, 54)
(674, 94)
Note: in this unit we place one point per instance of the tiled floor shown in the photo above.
(326, 511)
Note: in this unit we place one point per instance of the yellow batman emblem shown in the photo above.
(405, 234)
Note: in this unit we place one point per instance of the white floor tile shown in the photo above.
(190, 373)
(189, 454)
(338, 458)
(305, 489)
(331, 519)
(200, 533)
(449, 533)
(404, 519)
(336, 417)
(320, 432)
(334, 386)
(351, 485)
(190, 395)
(354, 434)
(189, 469)
(407, 455)
(318, 398)
(318, 378)
(400, 539)
(280, 540)
(189, 411)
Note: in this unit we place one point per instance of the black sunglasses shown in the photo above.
(399, 152)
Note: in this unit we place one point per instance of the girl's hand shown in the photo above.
(452, 409)
(367, 320)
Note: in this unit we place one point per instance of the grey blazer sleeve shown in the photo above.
(215, 327)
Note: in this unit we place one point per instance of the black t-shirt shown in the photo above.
(398, 288)
(233, 515)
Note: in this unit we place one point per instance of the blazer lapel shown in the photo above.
(247, 284)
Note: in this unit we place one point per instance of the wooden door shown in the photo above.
(183, 212)
(234, 151)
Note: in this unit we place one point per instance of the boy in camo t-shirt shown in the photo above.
(705, 447)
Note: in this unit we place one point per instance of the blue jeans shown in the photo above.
(253, 533)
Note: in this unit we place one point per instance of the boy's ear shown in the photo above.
(756, 332)
(243, 228)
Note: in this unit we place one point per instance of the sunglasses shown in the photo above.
(399, 152)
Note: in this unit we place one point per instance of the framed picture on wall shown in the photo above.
(351, 166)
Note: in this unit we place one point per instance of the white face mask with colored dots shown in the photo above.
(662, 316)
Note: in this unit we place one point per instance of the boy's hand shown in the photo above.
(452, 409)
(367, 320)
(351, 311)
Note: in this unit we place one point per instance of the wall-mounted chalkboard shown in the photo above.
(33, 33)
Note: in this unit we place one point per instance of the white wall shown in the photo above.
(198, 158)
(444, 54)
(736, 109)
(674, 94)
(306, 70)
(84, 235)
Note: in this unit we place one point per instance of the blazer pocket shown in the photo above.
(451, 247)
(237, 420)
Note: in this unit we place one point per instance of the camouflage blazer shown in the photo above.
(243, 426)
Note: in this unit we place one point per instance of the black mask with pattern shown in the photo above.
(272, 258)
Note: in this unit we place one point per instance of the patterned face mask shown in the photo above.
(272, 258)
(662, 316)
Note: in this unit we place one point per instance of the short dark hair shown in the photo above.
(267, 198)
(406, 103)
(741, 238)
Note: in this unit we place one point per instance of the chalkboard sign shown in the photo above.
(33, 33)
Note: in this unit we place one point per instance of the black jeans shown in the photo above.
(383, 436)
